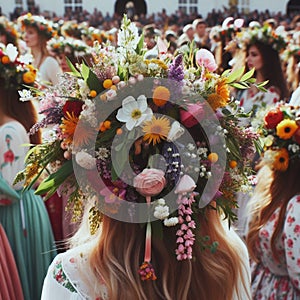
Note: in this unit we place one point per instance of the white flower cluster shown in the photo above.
(161, 211)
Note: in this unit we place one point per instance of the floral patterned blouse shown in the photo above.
(279, 280)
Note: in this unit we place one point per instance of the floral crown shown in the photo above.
(16, 71)
(68, 46)
(72, 29)
(228, 29)
(265, 34)
(279, 129)
(145, 140)
(44, 26)
(8, 28)
(95, 34)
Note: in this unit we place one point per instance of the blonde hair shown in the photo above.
(274, 190)
(117, 254)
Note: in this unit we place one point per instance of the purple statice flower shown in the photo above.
(176, 71)
(185, 235)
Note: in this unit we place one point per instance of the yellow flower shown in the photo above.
(223, 90)
(286, 129)
(5, 60)
(156, 129)
(107, 83)
(281, 160)
(161, 95)
(215, 101)
(29, 77)
(213, 157)
(221, 96)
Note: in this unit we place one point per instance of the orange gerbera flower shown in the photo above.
(156, 129)
(221, 96)
(281, 160)
(84, 133)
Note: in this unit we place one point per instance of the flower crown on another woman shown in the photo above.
(279, 128)
(44, 26)
(265, 34)
(127, 120)
(8, 28)
(68, 46)
(15, 71)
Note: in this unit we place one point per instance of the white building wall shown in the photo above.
(153, 6)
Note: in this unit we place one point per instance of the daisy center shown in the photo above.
(136, 114)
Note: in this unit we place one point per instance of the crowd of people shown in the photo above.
(66, 234)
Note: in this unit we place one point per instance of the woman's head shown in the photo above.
(36, 26)
(117, 255)
(265, 59)
(14, 74)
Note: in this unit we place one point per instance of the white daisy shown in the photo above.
(134, 112)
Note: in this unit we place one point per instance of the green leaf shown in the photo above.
(240, 86)
(72, 68)
(140, 45)
(247, 75)
(262, 83)
(54, 180)
(234, 75)
(91, 79)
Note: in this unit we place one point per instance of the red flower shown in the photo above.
(74, 106)
(297, 229)
(9, 156)
(273, 117)
(290, 220)
(290, 243)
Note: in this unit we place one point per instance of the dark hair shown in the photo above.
(272, 69)
(23, 112)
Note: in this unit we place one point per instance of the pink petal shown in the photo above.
(186, 184)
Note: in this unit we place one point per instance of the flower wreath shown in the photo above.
(16, 71)
(44, 26)
(8, 28)
(67, 46)
(265, 34)
(279, 129)
(144, 139)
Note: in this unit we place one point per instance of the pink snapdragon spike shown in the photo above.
(206, 59)
(186, 237)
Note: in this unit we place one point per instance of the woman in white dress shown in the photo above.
(37, 33)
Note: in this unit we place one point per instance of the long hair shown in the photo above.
(274, 190)
(272, 69)
(23, 112)
(118, 252)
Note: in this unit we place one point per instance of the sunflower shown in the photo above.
(156, 129)
(281, 160)
(70, 123)
(286, 129)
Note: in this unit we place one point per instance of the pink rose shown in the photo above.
(206, 59)
(190, 117)
(150, 182)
